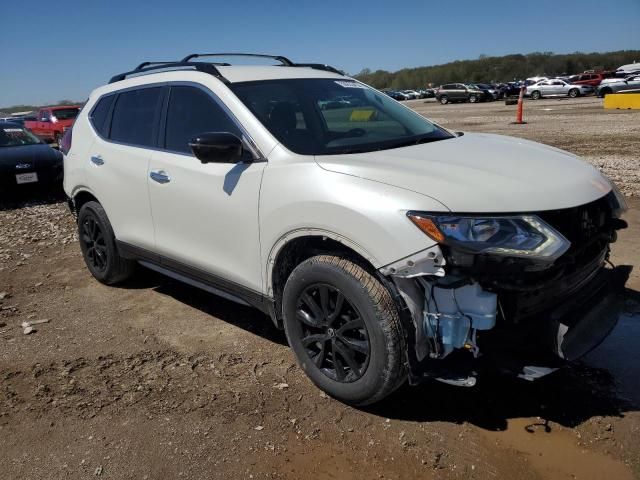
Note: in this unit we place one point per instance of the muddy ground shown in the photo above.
(157, 380)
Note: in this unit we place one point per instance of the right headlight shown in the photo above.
(517, 236)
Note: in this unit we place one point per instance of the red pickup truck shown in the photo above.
(50, 123)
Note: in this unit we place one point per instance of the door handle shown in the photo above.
(97, 160)
(159, 176)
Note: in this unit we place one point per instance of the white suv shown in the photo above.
(386, 246)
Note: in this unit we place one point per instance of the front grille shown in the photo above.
(590, 229)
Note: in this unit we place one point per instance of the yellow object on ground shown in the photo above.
(362, 115)
(623, 101)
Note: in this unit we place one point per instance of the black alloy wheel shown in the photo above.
(344, 329)
(94, 244)
(98, 245)
(333, 333)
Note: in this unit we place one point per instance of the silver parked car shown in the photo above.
(613, 85)
(556, 87)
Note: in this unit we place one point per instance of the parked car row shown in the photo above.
(401, 95)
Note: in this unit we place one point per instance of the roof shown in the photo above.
(249, 73)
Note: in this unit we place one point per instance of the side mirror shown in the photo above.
(216, 147)
(44, 119)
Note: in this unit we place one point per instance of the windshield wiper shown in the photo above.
(377, 148)
(414, 141)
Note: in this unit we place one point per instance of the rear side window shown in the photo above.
(98, 116)
(135, 116)
(191, 112)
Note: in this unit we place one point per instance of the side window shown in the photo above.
(135, 116)
(98, 115)
(44, 116)
(191, 112)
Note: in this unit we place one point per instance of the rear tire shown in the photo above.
(344, 329)
(98, 245)
(535, 95)
(574, 93)
(444, 100)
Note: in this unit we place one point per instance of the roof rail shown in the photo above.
(145, 67)
(280, 58)
(210, 67)
(284, 60)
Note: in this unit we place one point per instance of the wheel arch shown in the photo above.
(296, 247)
(79, 198)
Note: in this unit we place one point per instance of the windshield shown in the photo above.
(66, 113)
(332, 116)
(14, 136)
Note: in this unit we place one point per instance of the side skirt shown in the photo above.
(199, 279)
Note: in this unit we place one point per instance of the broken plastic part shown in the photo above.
(426, 262)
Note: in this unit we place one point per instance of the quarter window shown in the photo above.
(99, 115)
(191, 112)
(135, 116)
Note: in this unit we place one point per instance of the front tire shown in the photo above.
(473, 99)
(444, 99)
(344, 329)
(98, 245)
(535, 95)
(574, 92)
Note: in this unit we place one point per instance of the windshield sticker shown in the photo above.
(12, 130)
(350, 84)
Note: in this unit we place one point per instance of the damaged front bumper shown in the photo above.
(455, 325)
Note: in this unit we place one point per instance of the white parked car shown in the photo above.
(557, 88)
(386, 246)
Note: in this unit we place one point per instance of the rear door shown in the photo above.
(205, 215)
(119, 159)
(454, 91)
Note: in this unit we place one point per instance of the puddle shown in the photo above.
(620, 355)
(553, 452)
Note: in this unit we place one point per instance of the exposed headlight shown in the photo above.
(518, 236)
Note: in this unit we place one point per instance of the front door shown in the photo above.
(205, 215)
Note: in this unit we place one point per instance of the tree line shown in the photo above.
(498, 69)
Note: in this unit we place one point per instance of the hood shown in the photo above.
(481, 173)
(37, 156)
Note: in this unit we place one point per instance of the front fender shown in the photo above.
(300, 198)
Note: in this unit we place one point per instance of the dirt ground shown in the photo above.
(157, 380)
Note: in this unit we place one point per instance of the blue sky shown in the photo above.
(55, 50)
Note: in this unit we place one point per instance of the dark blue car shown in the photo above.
(25, 159)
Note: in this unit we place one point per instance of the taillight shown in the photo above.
(65, 142)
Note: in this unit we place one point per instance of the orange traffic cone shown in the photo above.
(520, 107)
